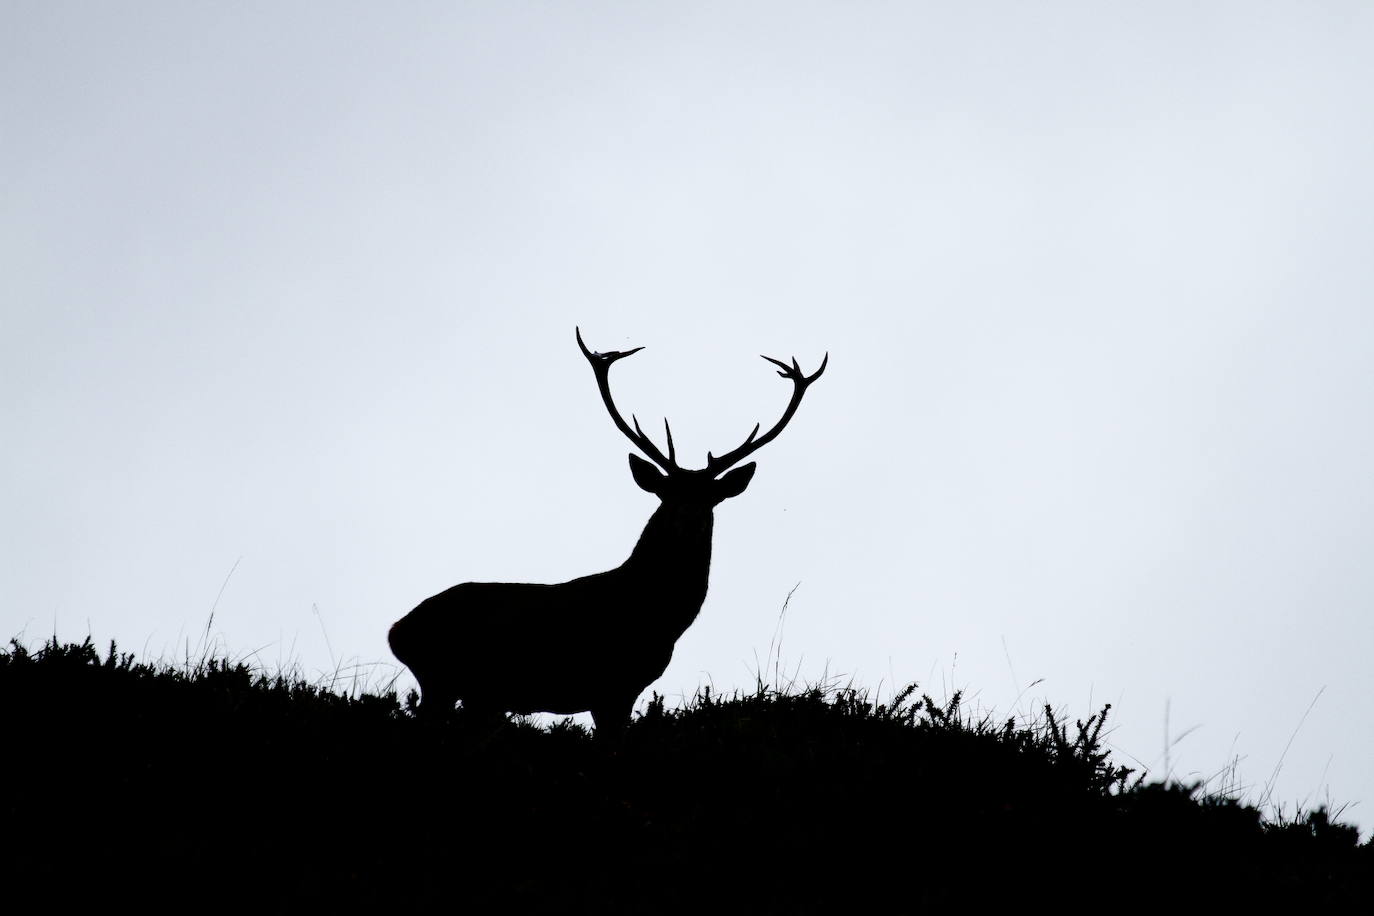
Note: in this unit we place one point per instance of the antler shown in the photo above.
(799, 385)
(601, 365)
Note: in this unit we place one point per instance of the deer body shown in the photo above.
(592, 643)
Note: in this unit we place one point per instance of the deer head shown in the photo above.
(702, 486)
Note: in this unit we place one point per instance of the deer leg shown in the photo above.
(437, 699)
(611, 717)
(481, 716)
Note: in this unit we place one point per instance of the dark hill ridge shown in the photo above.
(218, 787)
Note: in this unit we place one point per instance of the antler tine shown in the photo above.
(668, 431)
(601, 367)
(800, 382)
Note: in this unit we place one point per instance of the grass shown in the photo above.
(216, 784)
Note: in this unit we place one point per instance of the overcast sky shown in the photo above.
(290, 289)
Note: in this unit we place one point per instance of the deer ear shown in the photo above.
(646, 475)
(734, 482)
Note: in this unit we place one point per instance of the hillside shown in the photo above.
(216, 785)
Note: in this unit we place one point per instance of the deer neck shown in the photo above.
(673, 555)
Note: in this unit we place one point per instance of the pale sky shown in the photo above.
(292, 286)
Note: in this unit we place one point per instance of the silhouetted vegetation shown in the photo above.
(215, 786)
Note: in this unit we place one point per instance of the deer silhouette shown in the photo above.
(593, 643)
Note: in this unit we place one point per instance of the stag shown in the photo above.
(594, 643)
